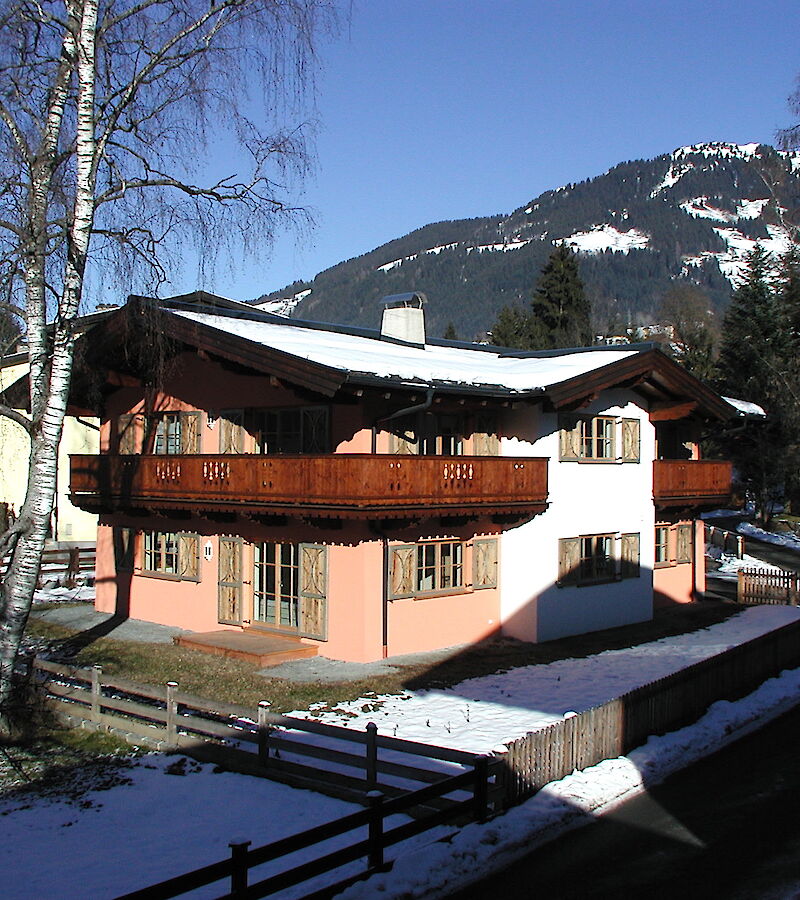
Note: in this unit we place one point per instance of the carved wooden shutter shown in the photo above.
(569, 560)
(485, 440)
(630, 440)
(314, 591)
(629, 555)
(315, 429)
(484, 564)
(229, 603)
(189, 556)
(230, 431)
(402, 571)
(190, 432)
(128, 431)
(683, 541)
(569, 437)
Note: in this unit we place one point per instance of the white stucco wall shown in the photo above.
(79, 436)
(585, 498)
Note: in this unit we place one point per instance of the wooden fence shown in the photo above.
(342, 762)
(757, 586)
(63, 564)
(728, 541)
(617, 727)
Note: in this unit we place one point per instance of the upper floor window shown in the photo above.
(302, 429)
(446, 434)
(598, 438)
(163, 433)
(597, 558)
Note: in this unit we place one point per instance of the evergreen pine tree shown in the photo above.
(450, 333)
(750, 360)
(559, 313)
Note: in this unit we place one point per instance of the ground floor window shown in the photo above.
(438, 567)
(598, 558)
(673, 544)
(175, 554)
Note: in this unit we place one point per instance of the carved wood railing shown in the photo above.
(691, 481)
(333, 484)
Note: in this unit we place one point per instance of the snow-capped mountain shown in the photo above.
(691, 215)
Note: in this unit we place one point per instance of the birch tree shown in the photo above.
(106, 107)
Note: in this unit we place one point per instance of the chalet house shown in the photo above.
(367, 494)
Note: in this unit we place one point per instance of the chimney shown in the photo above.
(403, 317)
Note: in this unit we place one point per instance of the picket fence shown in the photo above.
(757, 586)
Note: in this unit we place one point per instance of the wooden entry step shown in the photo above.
(252, 646)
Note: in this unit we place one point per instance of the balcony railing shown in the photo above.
(691, 482)
(336, 485)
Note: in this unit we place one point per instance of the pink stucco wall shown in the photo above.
(684, 582)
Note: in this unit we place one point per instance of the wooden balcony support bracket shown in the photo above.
(331, 486)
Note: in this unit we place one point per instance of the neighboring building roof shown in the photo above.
(746, 409)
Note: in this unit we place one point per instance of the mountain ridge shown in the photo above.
(643, 225)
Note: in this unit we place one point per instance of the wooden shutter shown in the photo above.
(630, 440)
(230, 431)
(404, 442)
(629, 555)
(123, 549)
(485, 440)
(683, 543)
(128, 433)
(229, 596)
(189, 556)
(190, 432)
(314, 591)
(315, 429)
(402, 571)
(569, 560)
(569, 437)
(484, 564)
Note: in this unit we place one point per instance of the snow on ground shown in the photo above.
(789, 541)
(606, 237)
(158, 825)
(59, 594)
(478, 850)
(482, 713)
(730, 565)
(109, 842)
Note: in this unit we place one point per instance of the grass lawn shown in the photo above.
(233, 681)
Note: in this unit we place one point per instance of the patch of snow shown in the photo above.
(731, 261)
(751, 209)
(500, 247)
(283, 306)
(722, 149)
(699, 208)
(730, 565)
(399, 262)
(481, 713)
(789, 541)
(674, 173)
(606, 237)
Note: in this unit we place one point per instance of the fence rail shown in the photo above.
(728, 541)
(757, 586)
(62, 564)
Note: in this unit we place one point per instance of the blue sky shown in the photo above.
(436, 109)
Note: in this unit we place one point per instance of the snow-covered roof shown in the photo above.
(745, 408)
(372, 357)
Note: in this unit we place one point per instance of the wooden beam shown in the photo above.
(667, 412)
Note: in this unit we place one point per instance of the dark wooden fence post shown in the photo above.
(480, 790)
(371, 765)
(97, 688)
(172, 715)
(263, 732)
(239, 870)
(375, 835)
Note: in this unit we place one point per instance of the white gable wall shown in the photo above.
(585, 498)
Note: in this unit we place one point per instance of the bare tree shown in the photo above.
(105, 108)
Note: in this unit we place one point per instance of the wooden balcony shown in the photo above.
(333, 485)
(691, 482)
